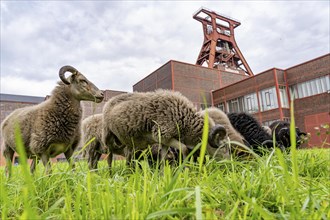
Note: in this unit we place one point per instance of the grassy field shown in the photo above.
(275, 186)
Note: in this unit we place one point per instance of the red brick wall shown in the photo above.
(315, 124)
(160, 78)
(309, 70)
(195, 82)
(311, 105)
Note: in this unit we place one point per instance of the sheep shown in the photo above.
(281, 130)
(219, 117)
(251, 130)
(162, 117)
(91, 127)
(53, 126)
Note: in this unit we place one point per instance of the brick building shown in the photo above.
(266, 95)
(193, 81)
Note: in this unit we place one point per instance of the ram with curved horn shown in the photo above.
(53, 126)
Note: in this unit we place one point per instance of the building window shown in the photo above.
(268, 99)
(250, 103)
(311, 87)
(284, 97)
(268, 123)
(236, 105)
(286, 119)
(221, 106)
(233, 105)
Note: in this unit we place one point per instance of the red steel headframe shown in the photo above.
(219, 47)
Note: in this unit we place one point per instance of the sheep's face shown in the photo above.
(284, 136)
(83, 89)
(301, 137)
(222, 152)
(217, 144)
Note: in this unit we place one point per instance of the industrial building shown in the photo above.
(221, 77)
(268, 95)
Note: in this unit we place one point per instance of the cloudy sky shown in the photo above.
(117, 43)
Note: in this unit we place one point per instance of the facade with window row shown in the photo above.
(268, 96)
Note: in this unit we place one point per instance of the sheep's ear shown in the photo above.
(299, 133)
(216, 135)
(74, 76)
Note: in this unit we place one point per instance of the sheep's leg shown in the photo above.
(35, 161)
(163, 153)
(129, 156)
(68, 154)
(46, 163)
(180, 146)
(8, 153)
(109, 160)
(93, 160)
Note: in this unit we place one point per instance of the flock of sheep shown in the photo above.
(163, 120)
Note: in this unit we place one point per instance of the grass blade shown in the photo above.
(204, 140)
(198, 203)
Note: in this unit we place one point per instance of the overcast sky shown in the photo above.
(117, 43)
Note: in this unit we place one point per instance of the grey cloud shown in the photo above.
(117, 43)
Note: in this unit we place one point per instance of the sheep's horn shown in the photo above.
(267, 143)
(63, 70)
(299, 133)
(217, 129)
(283, 131)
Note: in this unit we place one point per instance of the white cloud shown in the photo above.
(116, 44)
(24, 86)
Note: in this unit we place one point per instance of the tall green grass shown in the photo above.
(278, 185)
(264, 188)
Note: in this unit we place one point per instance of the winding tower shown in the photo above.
(219, 49)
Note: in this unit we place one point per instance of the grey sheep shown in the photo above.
(53, 126)
(162, 117)
(219, 117)
(92, 128)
